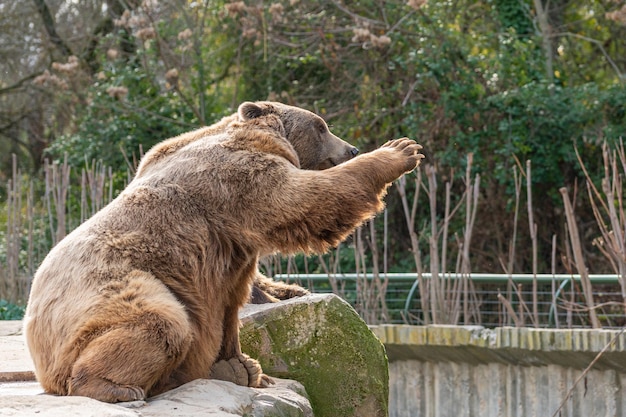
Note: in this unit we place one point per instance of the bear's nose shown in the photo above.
(354, 151)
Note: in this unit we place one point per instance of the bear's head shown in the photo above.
(316, 146)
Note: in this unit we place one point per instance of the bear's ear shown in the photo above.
(248, 110)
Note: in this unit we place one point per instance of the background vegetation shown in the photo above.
(86, 86)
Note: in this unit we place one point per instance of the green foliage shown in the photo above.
(515, 15)
(128, 112)
(9, 311)
(460, 77)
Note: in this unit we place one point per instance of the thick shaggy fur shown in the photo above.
(143, 297)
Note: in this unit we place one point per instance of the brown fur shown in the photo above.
(144, 296)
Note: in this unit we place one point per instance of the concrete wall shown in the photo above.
(441, 371)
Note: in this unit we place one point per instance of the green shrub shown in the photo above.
(9, 311)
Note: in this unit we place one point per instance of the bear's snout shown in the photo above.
(354, 151)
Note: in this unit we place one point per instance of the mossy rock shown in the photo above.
(321, 342)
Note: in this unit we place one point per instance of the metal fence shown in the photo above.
(559, 298)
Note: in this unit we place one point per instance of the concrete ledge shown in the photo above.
(516, 346)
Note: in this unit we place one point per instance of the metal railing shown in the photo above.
(560, 300)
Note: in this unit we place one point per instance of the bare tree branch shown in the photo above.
(48, 22)
(19, 84)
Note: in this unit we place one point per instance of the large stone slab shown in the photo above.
(320, 341)
(198, 398)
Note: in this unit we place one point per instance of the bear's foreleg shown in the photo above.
(232, 365)
(313, 211)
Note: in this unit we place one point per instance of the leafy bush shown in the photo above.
(9, 311)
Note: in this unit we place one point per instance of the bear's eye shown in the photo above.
(321, 127)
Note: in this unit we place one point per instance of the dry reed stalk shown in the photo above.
(578, 258)
(453, 295)
(96, 180)
(363, 304)
(612, 242)
(509, 308)
(332, 278)
(567, 263)
(375, 285)
(30, 215)
(557, 412)
(9, 285)
(436, 292)
(378, 297)
(385, 283)
(370, 298)
(521, 306)
(445, 297)
(57, 179)
(471, 207)
(533, 237)
(512, 246)
(338, 287)
(385, 244)
(508, 267)
(409, 215)
(553, 269)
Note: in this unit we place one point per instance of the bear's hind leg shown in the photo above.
(130, 349)
(125, 363)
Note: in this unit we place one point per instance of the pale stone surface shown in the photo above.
(10, 327)
(16, 364)
(198, 398)
(15, 359)
(50, 406)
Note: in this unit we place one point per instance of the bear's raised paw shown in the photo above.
(409, 152)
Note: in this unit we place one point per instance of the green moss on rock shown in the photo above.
(320, 341)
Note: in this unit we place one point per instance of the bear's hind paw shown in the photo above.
(104, 390)
(265, 381)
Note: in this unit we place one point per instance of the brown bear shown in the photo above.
(144, 296)
(317, 148)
